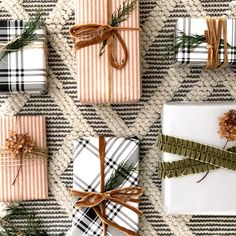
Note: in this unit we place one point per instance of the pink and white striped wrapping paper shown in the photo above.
(93, 79)
(32, 182)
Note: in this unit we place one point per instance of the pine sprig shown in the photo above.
(120, 15)
(19, 212)
(28, 36)
(123, 12)
(117, 178)
(183, 41)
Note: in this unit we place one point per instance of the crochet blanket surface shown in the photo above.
(68, 119)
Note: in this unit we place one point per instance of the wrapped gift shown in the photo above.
(87, 178)
(191, 194)
(98, 81)
(25, 70)
(199, 55)
(23, 161)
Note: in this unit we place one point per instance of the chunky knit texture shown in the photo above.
(68, 119)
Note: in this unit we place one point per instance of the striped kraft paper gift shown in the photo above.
(24, 71)
(98, 82)
(32, 182)
(86, 177)
(199, 56)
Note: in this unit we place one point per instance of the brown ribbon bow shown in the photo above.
(216, 27)
(120, 196)
(88, 34)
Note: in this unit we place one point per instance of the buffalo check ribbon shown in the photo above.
(120, 196)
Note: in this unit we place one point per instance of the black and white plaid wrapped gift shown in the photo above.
(24, 71)
(198, 56)
(86, 177)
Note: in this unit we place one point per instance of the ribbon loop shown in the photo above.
(90, 34)
(91, 200)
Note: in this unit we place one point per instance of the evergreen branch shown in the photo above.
(117, 178)
(123, 12)
(120, 15)
(102, 49)
(28, 36)
(19, 212)
(183, 41)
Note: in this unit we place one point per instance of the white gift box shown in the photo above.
(215, 195)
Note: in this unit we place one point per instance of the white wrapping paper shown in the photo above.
(215, 195)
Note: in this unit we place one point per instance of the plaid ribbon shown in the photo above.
(24, 70)
(87, 178)
(198, 56)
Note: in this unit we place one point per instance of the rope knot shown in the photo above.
(106, 196)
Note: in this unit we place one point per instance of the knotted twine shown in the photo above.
(120, 196)
(7, 151)
(216, 27)
(86, 35)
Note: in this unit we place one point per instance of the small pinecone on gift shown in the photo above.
(18, 144)
(227, 125)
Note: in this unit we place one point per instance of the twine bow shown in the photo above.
(216, 27)
(120, 196)
(21, 146)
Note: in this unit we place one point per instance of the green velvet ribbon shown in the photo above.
(200, 157)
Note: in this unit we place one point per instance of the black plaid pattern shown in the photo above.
(24, 71)
(85, 221)
(198, 56)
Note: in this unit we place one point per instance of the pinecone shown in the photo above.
(227, 125)
(20, 144)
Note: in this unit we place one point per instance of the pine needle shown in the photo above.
(120, 15)
(183, 41)
(19, 212)
(28, 36)
(117, 178)
(123, 12)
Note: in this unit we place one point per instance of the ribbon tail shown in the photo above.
(224, 26)
(126, 231)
